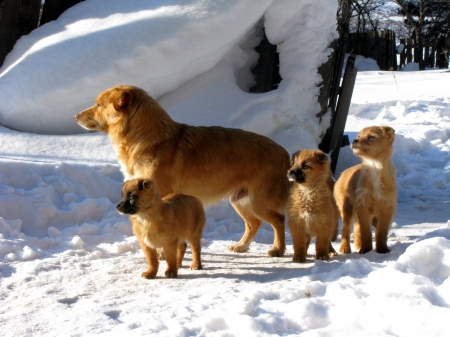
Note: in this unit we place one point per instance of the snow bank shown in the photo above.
(156, 45)
(163, 46)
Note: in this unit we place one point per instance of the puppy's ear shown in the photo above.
(143, 184)
(321, 157)
(295, 155)
(387, 130)
(121, 99)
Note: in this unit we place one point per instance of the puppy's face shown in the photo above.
(137, 195)
(372, 142)
(309, 167)
(111, 108)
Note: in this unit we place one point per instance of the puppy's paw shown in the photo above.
(365, 250)
(382, 249)
(196, 266)
(299, 259)
(149, 274)
(171, 273)
(322, 257)
(333, 253)
(345, 249)
(275, 252)
(237, 248)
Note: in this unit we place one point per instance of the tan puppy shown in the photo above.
(367, 192)
(210, 163)
(312, 210)
(163, 223)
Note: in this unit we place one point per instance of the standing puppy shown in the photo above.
(163, 223)
(367, 192)
(312, 210)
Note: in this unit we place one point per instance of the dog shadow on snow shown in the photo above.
(255, 267)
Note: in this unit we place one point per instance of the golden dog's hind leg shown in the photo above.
(252, 224)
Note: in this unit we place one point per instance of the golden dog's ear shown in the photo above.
(321, 157)
(121, 99)
(387, 130)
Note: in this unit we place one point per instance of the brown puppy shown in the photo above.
(163, 223)
(312, 210)
(367, 192)
(210, 163)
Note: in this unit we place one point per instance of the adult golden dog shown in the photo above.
(367, 192)
(312, 211)
(210, 163)
(163, 223)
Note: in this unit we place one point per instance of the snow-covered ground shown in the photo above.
(69, 264)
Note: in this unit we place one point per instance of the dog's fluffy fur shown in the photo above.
(367, 192)
(210, 163)
(163, 223)
(312, 211)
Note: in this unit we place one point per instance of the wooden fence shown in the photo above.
(20, 17)
(379, 46)
(435, 53)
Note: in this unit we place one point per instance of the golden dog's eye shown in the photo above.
(305, 166)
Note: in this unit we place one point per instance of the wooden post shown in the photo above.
(403, 54)
(19, 17)
(334, 141)
(409, 45)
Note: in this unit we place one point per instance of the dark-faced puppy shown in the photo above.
(367, 192)
(312, 210)
(164, 223)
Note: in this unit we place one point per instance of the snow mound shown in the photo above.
(157, 45)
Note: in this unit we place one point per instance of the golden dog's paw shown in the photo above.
(383, 249)
(275, 252)
(149, 274)
(171, 273)
(237, 248)
(196, 266)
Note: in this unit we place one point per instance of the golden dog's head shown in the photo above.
(138, 195)
(309, 167)
(112, 108)
(374, 142)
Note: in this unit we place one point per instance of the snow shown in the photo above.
(69, 263)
